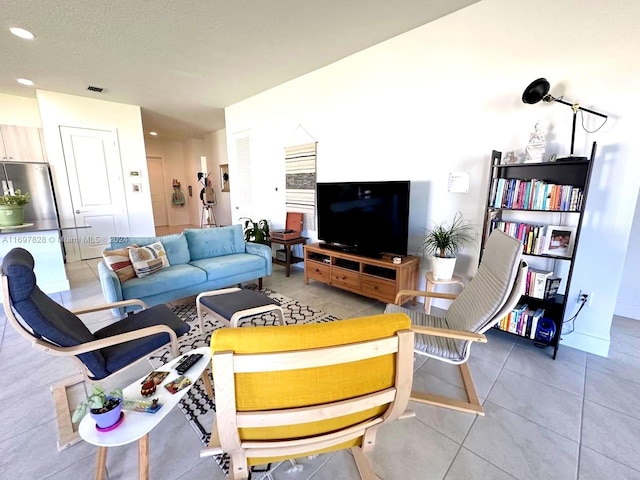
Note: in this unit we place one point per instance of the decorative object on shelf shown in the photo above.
(12, 207)
(559, 240)
(510, 158)
(534, 151)
(443, 241)
(105, 409)
(256, 232)
(177, 199)
(539, 90)
(224, 176)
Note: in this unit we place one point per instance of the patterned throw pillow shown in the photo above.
(148, 259)
(118, 260)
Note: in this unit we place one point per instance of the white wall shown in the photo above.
(21, 111)
(57, 109)
(215, 145)
(628, 304)
(438, 99)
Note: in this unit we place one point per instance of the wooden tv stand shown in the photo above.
(375, 278)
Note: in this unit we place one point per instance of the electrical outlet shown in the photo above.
(584, 293)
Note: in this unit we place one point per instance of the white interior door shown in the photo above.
(97, 190)
(158, 196)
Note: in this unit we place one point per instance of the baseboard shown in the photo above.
(627, 310)
(586, 343)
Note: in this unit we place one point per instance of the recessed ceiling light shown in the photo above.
(25, 81)
(153, 133)
(22, 33)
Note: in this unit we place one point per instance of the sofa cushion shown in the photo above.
(175, 245)
(229, 265)
(148, 259)
(214, 242)
(171, 278)
(119, 262)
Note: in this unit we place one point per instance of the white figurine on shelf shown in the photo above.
(534, 151)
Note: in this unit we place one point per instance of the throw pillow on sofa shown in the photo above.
(118, 260)
(148, 259)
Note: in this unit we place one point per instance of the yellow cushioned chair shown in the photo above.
(291, 391)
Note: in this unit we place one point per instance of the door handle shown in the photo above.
(80, 211)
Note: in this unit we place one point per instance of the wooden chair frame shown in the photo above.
(225, 436)
(67, 435)
(472, 405)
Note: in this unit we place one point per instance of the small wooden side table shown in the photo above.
(431, 285)
(290, 259)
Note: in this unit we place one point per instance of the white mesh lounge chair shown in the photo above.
(492, 294)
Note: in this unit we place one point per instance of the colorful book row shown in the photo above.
(521, 321)
(534, 195)
(541, 284)
(531, 236)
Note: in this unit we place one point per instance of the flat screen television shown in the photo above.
(366, 218)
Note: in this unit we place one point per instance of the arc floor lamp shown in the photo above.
(539, 90)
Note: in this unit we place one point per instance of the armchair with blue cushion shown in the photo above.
(53, 329)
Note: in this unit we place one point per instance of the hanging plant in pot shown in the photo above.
(105, 409)
(443, 241)
(12, 207)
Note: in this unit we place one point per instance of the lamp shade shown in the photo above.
(536, 91)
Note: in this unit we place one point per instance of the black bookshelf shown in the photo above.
(573, 173)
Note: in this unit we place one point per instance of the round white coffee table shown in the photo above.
(137, 425)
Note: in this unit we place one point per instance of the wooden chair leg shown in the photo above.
(67, 435)
(260, 283)
(364, 465)
(206, 381)
(472, 405)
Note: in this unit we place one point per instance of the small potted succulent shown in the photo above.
(443, 241)
(104, 408)
(12, 207)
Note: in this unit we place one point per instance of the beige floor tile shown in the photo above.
(467, 465)
(520, 447)
(594, 466)
(612, 434)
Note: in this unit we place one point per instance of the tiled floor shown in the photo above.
(574, 418)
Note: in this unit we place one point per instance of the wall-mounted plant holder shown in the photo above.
(224, 177)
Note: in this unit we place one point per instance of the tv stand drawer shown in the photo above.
(317, 271)
(345, 278)
(385, 290)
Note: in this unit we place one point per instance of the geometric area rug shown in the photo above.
(198, 409)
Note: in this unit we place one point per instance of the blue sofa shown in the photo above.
(200, 260)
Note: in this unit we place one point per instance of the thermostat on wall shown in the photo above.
(459, 182)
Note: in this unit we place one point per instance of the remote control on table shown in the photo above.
(187, 362)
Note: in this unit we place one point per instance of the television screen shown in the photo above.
(369, 218)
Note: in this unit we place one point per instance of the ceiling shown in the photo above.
(184, 61)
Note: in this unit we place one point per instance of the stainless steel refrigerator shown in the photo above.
(34, 178)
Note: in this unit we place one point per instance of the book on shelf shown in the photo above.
(537, 282)
(534, 194)
(551, 287)
(535, 318)
(522, 321)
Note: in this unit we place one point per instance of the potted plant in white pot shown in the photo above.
(104, 408)
(12, 207)
(443, 241)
